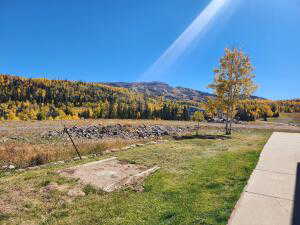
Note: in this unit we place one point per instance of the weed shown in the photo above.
(44, 183)
(4, 216)
(37, 160)
(89, 189)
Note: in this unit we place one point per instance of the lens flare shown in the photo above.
(184, 41)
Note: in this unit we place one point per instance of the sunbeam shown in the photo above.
(193, 32)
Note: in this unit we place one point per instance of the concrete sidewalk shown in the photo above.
(270, 195)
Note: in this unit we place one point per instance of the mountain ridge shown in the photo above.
(162, 89)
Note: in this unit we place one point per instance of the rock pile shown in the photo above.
(223, 120)
(120, 131)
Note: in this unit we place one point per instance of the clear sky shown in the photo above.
(120, 40)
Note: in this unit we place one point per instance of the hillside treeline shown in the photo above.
(250, 110)
(253, 109)
(43, 99)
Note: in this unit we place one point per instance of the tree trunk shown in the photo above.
(228, 125)
(227, 129)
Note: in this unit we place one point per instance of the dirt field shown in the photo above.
(33, 127)
(22, 145)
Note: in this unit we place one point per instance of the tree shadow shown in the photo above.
(204, 136)
(296, 208)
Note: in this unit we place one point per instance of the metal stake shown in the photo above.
(76, 149)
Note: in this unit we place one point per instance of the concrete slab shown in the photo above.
(253, 209)
(281, 153)
(109, 174)
(272, 184)
(269, 197)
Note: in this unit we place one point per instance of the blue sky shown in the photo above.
(120, 40)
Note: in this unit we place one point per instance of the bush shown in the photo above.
(198, 116)
(37, 160)
(245, 115)
(53, 113)
(276, 115)
(85, 114)
(69, 111)
(41, 116)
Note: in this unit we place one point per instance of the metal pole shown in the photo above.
(76, 149)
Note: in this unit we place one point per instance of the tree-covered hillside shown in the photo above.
(23, 98)
(40, 99)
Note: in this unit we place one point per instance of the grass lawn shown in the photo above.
(288, 118)
(199, 182)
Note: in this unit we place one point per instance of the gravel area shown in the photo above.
(119, 131)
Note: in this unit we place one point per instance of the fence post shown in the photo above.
(76, 149)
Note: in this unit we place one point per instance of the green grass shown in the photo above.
(199, 182)
(288, 118)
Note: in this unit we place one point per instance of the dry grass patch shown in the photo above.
(287, 118)
(27, 154)
(21, 143)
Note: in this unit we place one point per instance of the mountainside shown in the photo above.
(39, 98)
(158, 89)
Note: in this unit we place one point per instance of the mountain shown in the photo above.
(39, 98)
(158, 89)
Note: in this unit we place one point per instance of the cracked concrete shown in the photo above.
(269, 197)
(108, 174)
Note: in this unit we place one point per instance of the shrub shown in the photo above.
(37, 160)
(41, 116)
(198, 116)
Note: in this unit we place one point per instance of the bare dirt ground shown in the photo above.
(108, 174)
(36, 127)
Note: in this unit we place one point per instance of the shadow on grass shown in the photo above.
(207, 136)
